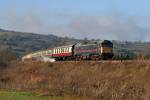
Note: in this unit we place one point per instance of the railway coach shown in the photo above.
(38, 54)
(63, 53)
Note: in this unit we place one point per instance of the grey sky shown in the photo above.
(101, 20)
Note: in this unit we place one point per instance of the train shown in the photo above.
(79, 51)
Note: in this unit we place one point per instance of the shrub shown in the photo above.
(6, 56)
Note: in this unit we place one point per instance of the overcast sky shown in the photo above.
(99, 19)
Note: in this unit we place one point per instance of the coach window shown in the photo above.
(67, 49)
(64, 50)
(70, 49)
(59, 50)
(55, 51)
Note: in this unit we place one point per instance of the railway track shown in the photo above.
(107, 61)
(102, 61)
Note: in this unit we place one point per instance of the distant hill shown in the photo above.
(22, 43)
(131, 48)
(1, 30)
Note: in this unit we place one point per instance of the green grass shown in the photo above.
(10, 95)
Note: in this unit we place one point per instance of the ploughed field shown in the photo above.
(104, 80)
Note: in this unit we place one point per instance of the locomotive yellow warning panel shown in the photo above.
(106, 50)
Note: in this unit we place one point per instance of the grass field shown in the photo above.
(11, 95)
(126, 80)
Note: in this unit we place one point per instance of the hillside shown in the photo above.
(22, 43)
(132, 48)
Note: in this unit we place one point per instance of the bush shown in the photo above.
(6, 56)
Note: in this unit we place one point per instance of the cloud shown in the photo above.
(114, 27)
(111, 27)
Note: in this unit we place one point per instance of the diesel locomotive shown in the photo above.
(93, 51)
